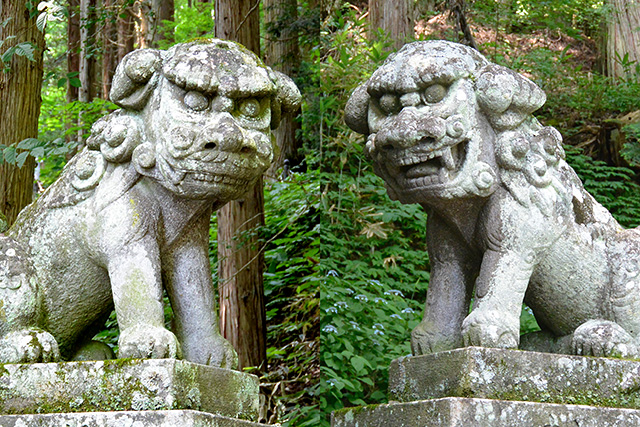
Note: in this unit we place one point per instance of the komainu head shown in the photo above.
(444, 122)
(195, 118)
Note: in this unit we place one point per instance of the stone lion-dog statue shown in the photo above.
(508, 219)
(130, 213)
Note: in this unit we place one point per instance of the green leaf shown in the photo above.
(28, 144)
(9, 154)
(38, 152)
(26, 49)
(61, 82)
(6, 57)
(75, 82)
(22, 157)
(41, 22)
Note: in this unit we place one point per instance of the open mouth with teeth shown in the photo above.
(421, 165)
(180, 177)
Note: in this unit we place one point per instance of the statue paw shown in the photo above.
(28, 346)
(223, 354)
(603, 338)
(148, 342)
(491, 328)
(425, 339)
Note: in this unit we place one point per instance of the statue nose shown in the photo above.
(226, 135)
(410, 128)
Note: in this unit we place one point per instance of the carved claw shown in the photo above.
(490, 328)
(148, 342)
(28, 346)
(223, 354)
(603, 338)
(426, 339)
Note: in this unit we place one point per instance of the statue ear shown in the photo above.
(357, 110)
(506, 97)
(287, 99)
(135, 78)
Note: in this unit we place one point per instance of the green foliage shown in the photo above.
(373, 252)
(189, 23)
(291, 237)
(613, 187)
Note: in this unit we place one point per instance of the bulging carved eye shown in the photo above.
(249, 107)
(390, 103)
(196, 101)
(434, 93)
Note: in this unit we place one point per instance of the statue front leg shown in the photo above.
(137, 294)
(500, 288)
(449, 293)
(190, 288)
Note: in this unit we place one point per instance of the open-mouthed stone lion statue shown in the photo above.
(130, 213)
(508, 219)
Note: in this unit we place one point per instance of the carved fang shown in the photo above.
(447, 159)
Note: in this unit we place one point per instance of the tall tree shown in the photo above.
(126, 29)
(73, 46)
(394, 17)
(109, 36)
(242, 312)
(87, 50)
(152, 13)
(282, 53)
(622, 38)
(20, 100)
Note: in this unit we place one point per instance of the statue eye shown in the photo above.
(196, 101)
(249, 107)
(390, 103)
(434, 93)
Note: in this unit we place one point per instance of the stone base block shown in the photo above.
(124, 385)
(516, 375)
(467, 412)
(177, 418)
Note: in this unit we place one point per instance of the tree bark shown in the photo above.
(282, 54)
(19, 104)
(242, 311)
(239, 21)
(126, 32)
(87, 43)
(109, 35)
(152, 13)
(623, 38)
(394, 17)
(73, 46)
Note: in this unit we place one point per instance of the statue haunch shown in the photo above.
(508, 217)
(130, 213)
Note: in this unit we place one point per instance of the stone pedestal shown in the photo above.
(127, 393)
(492, 387)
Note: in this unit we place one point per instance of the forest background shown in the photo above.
(345, 269)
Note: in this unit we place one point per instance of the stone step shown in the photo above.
(126, 384)
(473, 412)
(516, 375)
(176, 418)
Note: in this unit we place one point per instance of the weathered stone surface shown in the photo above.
(177, 418)
(120, 385)
(509, 220)
(130, 213)
(468, 412)
(516, 375)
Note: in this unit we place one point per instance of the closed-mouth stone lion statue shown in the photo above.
(130, 213)
(508, 219)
